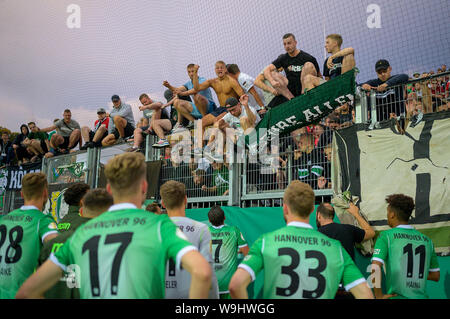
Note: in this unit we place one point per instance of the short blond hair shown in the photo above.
(336, 37)
(221, 62)
(33, 185)
(173, 194)
(299, 198)
(124, 172)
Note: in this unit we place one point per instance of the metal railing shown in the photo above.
(406, 102)
(305, 154)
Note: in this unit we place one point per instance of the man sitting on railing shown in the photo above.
(247, 84)
(94, 138)
(239, 120)
(203, 102)
(159, 123)
(339, 62)
(68, 129)
(389, 102)
(123, 120)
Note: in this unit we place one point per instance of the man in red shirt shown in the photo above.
(94, 138)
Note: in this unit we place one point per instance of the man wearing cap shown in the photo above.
(239, 119)
(94, 138)
(389, 91)
(123, 119)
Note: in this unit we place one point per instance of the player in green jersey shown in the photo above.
(22, 233)
(123, 252)
(226, 242)
(93, 203)
(72, 196)
(407, 254)
(299, 261)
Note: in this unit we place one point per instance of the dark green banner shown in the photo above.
(309, 107)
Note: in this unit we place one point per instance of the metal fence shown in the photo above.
(304, 154)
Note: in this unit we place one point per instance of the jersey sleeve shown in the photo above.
(380, 251)
(241, 240)
(434, 264)
(173, 240)
(279, 62)
(63, 257)
(253, 263)
(351, 276)
(46, 226)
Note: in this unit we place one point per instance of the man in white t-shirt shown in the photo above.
(239, 120)
(248, 85)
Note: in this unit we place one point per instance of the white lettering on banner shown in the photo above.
(309, 115)
(328, 105)
(318, 109)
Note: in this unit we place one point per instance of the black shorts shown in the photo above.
(65, 145)
(277, 100)
(129, 130)
(218, 111)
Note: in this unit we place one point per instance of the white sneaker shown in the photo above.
(178, 128)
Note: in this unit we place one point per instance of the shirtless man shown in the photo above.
(224, 86)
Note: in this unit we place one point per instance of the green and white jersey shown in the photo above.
(22, 233)
(178, 282)
(301, 263)
(123, 253)
(408, 256)
(226, 241)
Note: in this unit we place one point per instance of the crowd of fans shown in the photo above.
(243, 101)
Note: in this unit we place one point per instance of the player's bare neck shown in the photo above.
(176, 212)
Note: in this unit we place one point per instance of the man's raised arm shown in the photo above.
(48, 129)
(199, 86)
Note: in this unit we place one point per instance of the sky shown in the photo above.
(129, 47)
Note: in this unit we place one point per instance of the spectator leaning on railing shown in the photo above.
(389, 91)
